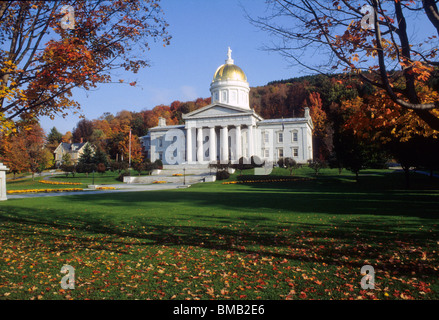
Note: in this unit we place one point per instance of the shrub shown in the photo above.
(118, 166)
(86, 168)
(123, 174)
(219, 166)
(222, 175)
(316, 165)
(159, 164)
(139, 166)
(101, 168)
(68, 169)
(243, 164)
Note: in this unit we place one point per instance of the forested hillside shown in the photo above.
(353, 128)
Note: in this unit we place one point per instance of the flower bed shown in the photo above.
(60, 183)
(267, 180)
(43, 190)
(105, 188)
(159, 182)
(177, 175)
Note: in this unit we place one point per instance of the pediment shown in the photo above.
(216, 110)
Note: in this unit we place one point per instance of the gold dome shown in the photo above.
(229, 72)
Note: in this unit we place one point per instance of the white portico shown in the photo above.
(229, 129)
(220, 132)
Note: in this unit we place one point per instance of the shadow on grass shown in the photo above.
(374, 195)
(321, 221)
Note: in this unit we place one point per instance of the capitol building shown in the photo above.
(229, 129)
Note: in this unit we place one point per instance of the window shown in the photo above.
(265, 137)
(295, 137)
(160, 156)
(295, 152)
(266, 153)
(224, 96)
(160, 142)
(234, 96)
(280, 153)
(280, 137)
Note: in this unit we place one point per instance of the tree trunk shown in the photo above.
(407, 177)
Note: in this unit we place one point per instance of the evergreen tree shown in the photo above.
(54, 137)
(87, 156)
(100, 157)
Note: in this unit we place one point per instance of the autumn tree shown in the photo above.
(83, 131)
(25, 151)
(13, 153)
(47, 160)
(322, 133)
(67, 137)
(136, 148)
(375, 117)
(34, 137)
(42, 61)
(372, 42)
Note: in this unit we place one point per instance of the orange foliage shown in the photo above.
(136, 148)
(378, 117)
(317, 114)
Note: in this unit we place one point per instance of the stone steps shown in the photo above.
(189, 179)
(187, 171)
(194, 173)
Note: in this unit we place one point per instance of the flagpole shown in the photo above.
(129, 155)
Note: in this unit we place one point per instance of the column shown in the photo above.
(238, 143)
(3, 170)
(250, 141)
(200, 145)
(224, 144)
(212, 145)
(189, 145)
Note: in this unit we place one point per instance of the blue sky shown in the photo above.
(201, 32)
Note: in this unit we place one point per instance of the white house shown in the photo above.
(228, 129)
(75, 150)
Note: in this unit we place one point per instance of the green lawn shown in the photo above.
(84, 180)
(102, 179)
(288, 240)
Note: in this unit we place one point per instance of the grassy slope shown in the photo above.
(297, 240)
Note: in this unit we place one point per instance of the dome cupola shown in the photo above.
(229, 85)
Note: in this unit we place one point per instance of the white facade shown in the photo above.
(228, 129)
